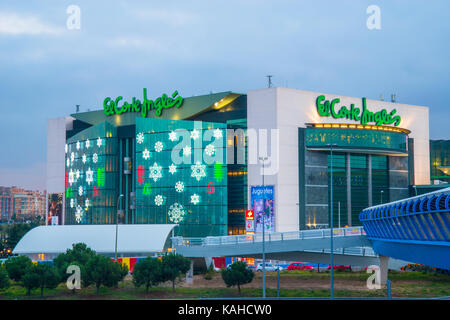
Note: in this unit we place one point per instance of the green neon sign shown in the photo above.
(111, 107)
(327, 108)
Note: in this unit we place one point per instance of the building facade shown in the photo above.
(197, 161)
(20, 204)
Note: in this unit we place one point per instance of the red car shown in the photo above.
(341, 268)
(299, 266)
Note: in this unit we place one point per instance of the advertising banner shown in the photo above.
(261, 209)
(54, 210)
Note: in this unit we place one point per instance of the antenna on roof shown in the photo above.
(269, 78)
(77, 108)
(393, 97)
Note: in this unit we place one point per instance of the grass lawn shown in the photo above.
(292, 284)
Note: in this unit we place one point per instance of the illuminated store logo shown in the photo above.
(325, 108)
(111, 107)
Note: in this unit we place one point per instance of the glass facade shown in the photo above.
(356, 139)
(180, 175)
(91, 176)
(440, 160)
(352, 182)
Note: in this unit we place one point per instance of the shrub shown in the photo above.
(101, 270)
(4, 279)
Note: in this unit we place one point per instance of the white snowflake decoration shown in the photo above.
(179, 186)
(78, 145)
(173, 136)
(72, 202)
(80, 191)
(195, 199)
(155, 172)
(88, 144)
(68, 162)
(176, 213)
(83, 158)
(198, 171)
(95, 158)
(99, 142)
(217, 133)
(66, 148)
(89, 176)
(187, 151)
(77, 174)
(210, 150)
(194, 134)
(71, 177)
(159, 200)
(87, 203)
(140, 138)
(72, 157)
(159, 146)
(79, 214)
(172, 168)
(146, 154)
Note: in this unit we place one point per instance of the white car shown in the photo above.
(269, 267)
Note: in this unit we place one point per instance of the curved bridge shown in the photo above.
(414, 229)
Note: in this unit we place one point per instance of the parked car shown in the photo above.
(341, 268)
(300, 266)
(269, 267)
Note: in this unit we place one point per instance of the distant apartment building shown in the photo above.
(20, 204)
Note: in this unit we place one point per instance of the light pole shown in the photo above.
(415, 190)
(381, 193)
(117, 226)
(263, 159)
(331, 225)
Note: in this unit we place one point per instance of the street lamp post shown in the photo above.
(263, 159)
(117, 226)
(381, 201)
(331, 225)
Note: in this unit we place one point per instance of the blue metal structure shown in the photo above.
(414, 229)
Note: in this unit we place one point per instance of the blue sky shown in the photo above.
(202, 46)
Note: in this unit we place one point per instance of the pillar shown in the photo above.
(190, 273)
(384, 262)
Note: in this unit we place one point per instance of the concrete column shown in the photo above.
(190, 273)
(384, 262)
(209, 261)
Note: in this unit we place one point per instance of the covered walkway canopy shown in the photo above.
(46, 242)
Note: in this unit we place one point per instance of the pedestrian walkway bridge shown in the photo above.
(351, 246)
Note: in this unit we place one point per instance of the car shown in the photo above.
(341, 268)
(300, 266)
(269, 267)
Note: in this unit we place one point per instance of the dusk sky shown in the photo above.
(197, 47)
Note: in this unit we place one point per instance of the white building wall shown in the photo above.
(56, 141)
(289, 109)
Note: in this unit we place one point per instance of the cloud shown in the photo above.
(13, 24)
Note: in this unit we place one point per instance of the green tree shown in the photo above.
(47, 275)
(4, 279)
(101, 270)
(30, 280)
(147, 272)
(237, 274)
(17, 267)
(174, 266)
(79, 255)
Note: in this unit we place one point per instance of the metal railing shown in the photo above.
(270, 237)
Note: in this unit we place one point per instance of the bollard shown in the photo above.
(388, 286)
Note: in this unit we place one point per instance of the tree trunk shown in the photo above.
(239, 288)
(146, 288)
(98, 287)
(42, 291)
(173, 285)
